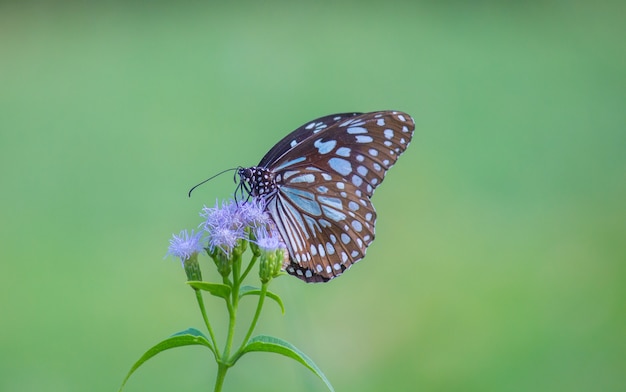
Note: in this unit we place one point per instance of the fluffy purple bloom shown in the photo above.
(184, 245)
(235, 215)
(226, 225)
(224, 238)
(252, 213)
(216, 217)
(268, 240)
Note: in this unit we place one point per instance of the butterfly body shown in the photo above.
(317, 183)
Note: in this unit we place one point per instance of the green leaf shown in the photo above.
(249, 290)
(216, 289)
(188, 337)
(275, 345)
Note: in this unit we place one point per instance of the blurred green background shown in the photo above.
(499, 263)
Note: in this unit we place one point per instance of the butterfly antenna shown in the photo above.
(209, 179)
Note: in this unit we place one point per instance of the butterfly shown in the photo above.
(316, 184)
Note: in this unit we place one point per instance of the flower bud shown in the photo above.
(192, 268)
(223, 262)
(266, 265)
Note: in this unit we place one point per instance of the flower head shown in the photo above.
(224, 238)
(184, 245)
(252, 213)
(268, 240)
(224, 226)
(271, 250)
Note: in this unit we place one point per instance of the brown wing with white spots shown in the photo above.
(318, 181)
(360, 149)
(325, 226)
(302, 133)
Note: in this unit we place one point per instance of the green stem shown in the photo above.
(252, 262)
(221, 375)
(206, 321)
(256, 315)
(232, 305)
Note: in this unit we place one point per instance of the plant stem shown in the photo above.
(256, 315)
(233, 304)
(221, 375)
(206, 321)
(252, 262)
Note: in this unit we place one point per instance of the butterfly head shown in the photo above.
(256, 181)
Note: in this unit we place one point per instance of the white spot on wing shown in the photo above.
(343, 151)
(330, 249)
(364, 139)
(325, 147)
(356, 130)
(331, 201)
(340, 165)
(308, 178)
(289, 163)
(321, 249)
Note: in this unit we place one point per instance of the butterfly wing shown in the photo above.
(358, 148)
(325, 226)
(325, 180)
(301, 134)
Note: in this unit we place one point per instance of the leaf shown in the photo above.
(275, 345)
(249, 290)
(188, 337)
(216, 289)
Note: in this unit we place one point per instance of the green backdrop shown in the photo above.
(499, 263)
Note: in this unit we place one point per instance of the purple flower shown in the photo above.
(224, 238)
(184, 245)
(224, 226)
(235, 215)
(268, 240)
(216, 217)
(252, 213)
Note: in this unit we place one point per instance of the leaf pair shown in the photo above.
(260, 343)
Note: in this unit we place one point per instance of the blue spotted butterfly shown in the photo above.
(317, 183)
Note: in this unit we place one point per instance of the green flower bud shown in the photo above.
(223, 262)
(192, 268)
